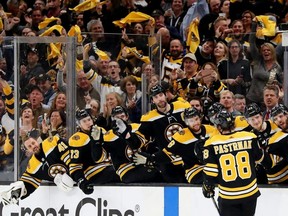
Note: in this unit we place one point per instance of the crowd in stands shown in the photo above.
(201, 52)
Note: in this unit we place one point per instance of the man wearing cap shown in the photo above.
(159, 125)
(44, 83)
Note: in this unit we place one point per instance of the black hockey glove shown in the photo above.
(84, 185)
(143, 158)
(208, 190)
(198, 150)
(121, 128)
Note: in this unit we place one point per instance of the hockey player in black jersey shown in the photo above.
(49, 161)
(121, 147)
(263, 130)
(230, 159)
(183, 144)
(89, 167)
(159, 125)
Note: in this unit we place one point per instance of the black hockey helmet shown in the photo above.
(214, 109)
(224, 119)
(279, 109)
(118, 110)
(252, 110)
(156, 90)
(190, 112)
(80, 114)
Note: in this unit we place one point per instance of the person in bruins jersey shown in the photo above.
(184, 143)
(230, 159)
(159, 125)
(49, 161)
(263, 130)
(277, 147)
(121, 146)
(89, 167)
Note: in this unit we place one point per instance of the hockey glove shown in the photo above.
(64, 182)
(143, 158)
(84, 185)
(208, 190)
(96, 133)
(121, 128)
(198, 150)
(13, 195)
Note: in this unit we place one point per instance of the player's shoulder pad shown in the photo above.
(180, 105)
(184, 136)
(279, 135)
(274, 127)
(150, 116)
(211, 130)
(49, 144)
(135, 126)
(33, 165)
(109, 136)
(79, 139)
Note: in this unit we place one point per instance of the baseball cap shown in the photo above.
(33, 88)
(191, 56)
(33, 50)
(42, 78)
(157, 13)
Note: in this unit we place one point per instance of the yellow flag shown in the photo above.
(58, 28)
(267, 26)
(46, 22)
(133, 17)
(75, 31)
(193, 39)
(138, 55)
(87, 5)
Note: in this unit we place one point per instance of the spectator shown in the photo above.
(247, 17)
(59, 102)
(240, 103)
(113, 99)
(227, 99)
(220, 52)
(53, 8)
(93, 108)
(174, 15)
(271, 100)
(204, 53)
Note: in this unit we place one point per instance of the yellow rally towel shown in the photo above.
(87, 5)
(193, 39)
(55, 51)
(48, 32)
(47, 21)
(132, 18)
(138, 55)
(102, 55)
(267, 26)
(75, 31)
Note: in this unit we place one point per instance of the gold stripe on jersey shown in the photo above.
(30, 180)
(240, 123)
(94, 170)
(66, 158)
(49, 145)
(34, 165)
(180, 106)
(193, 171)
(278, 177)
(124, 168)
(110, 136)
(103, 157)
(211, 169)
(277, 137)
(79, 139)
(238, 192)
(74, 167)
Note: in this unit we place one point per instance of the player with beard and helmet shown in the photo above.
(121, 146)
(90, 163)
(159, 125)
(184, 143)
(49, 161)
(277, 146)
(263, 130)
(230, 159)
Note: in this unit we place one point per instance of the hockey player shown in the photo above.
(277, 146)
(263, 130)
(89, 167)
(230, 159)
(50, 161)
(121, 146)
(183, 144)
(159, 125)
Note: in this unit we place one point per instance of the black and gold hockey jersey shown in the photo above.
(121, 152)
(278, 150)
(230, 161)
(263, 136)
(241, 124)
(52, 159)
(168, 65)
(160, 127)
(183, 144)
(82, 163)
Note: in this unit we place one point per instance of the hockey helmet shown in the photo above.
(80, 114)
(252, 110)
(190, 112)
(279, 109)
(118, 110)
(224, 120)
(156, 90)
(214, 109)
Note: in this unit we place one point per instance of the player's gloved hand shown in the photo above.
(121, 128)
(143, 158)
(64, 182)
(198, 149)
(96, 133)
(84, 185)
(208, 190)
(12, 196)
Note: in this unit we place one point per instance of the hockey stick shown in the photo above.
(215, 204)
